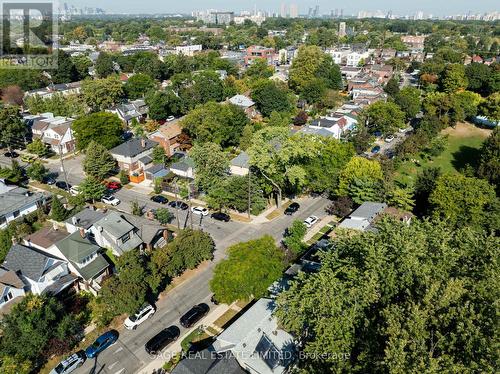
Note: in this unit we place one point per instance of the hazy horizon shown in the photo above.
(397, 7)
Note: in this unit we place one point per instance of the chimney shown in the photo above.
(143, 143)
(74, 220)
(82, 232)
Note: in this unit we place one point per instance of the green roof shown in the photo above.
(94, 268)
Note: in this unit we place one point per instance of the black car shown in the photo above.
(219, 216)
(49, 180)
(11, 154)
(158, 342)
(292, 208)
(178, 204)
(159, 199)
(194, 315)
(63, 185)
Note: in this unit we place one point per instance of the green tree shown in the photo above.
(60, 105)
(82, 64)
(13, 365)
(489, 163)
(102, 128)
(138, 85)
(409, 101)
(207, 87)
(462, 201)
(357, 171)
(136, 208)
(295, 236)
(66, 71)
(12, 128)
(57, 210)
(490, 108)
(392, 86)
(383, 116)
(251, 267)
(211, 164)
(269, 97)
(478, 78)
(101, 94)
(158, 155)
(98, 162)
(37, 171)
(259, 69)
(164, 216)
(91, 189)
(163, 104)
(401, 198)
(37, 147)
(387, 299)
(104, 65)
(313, 91)
(424, 185)
(453, 78)
(148, 63)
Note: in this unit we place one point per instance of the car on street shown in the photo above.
(113, 186)
(389, 138)
(63, 185)
(194, 315)
(199, 210)
(12, 154)
(74, 191)
(110, 199)
(292, 208)
(310, 221)
(219, 216)
(48, 180)
(178, 205)
(170, 118)
(70, 364)
(159, 199)
(161, 340)
(101, 343)
(29, 159)
(376, 149)
(143, 314)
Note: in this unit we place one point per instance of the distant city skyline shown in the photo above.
(436, 8)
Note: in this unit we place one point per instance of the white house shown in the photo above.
(188, 50)
(353, 58)
(11, 290)
(240, 165)
(17, 202)
(362, 218)
(183, 168)
(56, 132)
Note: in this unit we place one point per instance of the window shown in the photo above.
(3, 220)
(7, 297)
(126, 237)
(16, 213)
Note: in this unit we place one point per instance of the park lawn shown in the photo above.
(463, 146)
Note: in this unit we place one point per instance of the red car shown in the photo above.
(113, 186)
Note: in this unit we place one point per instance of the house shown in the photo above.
(84, 219)
(56, 132)
(127, 112)
(334, 126)
(208, 361)
(257, 342)
(240, 165)
(349, 72)
(183, 168)
(168, 137)
(255, 52)
(123, 232)
(414, 41)
(40, 272)
(188, 50)
(355, 58)
(156, 171)
(133, 156)
(362, 218)
(11, 290)
(63, 89)
(381, 72)
(339, 55)
(245, 103)
(17, 202)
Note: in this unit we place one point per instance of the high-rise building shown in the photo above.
(342, 29)
(294, 11)
(283, 10)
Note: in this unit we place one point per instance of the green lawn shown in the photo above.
(464, 143)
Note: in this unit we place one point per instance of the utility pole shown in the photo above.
(190, 205)
(62, 167)
(177, 205)
(249, 193)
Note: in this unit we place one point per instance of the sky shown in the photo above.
(402, 7)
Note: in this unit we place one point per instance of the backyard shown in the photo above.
(462, 149)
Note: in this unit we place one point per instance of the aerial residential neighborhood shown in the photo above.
(289, 188)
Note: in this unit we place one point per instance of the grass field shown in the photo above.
(463, 145)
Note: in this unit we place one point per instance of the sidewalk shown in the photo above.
(325, 221)
(175, 348)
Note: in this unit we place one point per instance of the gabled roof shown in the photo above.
(29, 262)
(46, 237)
(242, 101)
(184, 165)
(18, 198)
(10, 278)
(133, 147)
(242, 160)
(114, 224)
(86, 218)
(206, 362)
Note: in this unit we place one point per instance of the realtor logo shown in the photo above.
(29, 32)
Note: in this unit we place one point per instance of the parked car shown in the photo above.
(377, 134)
(376, 149)
(63, 185)
(101, 343)
(113, 186)
(161, 340)
(310, 221)
(70, 364)
(219, 216)
(199, 210)
(28, 158)
(12, 154)
(159, 199)
(73, 191)
(143, 314)
(194, 315)
(127, 135)
(170, 118)
(292, 208)
(110, 199)
(48, 180)
(389, 138)
(178, 205)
